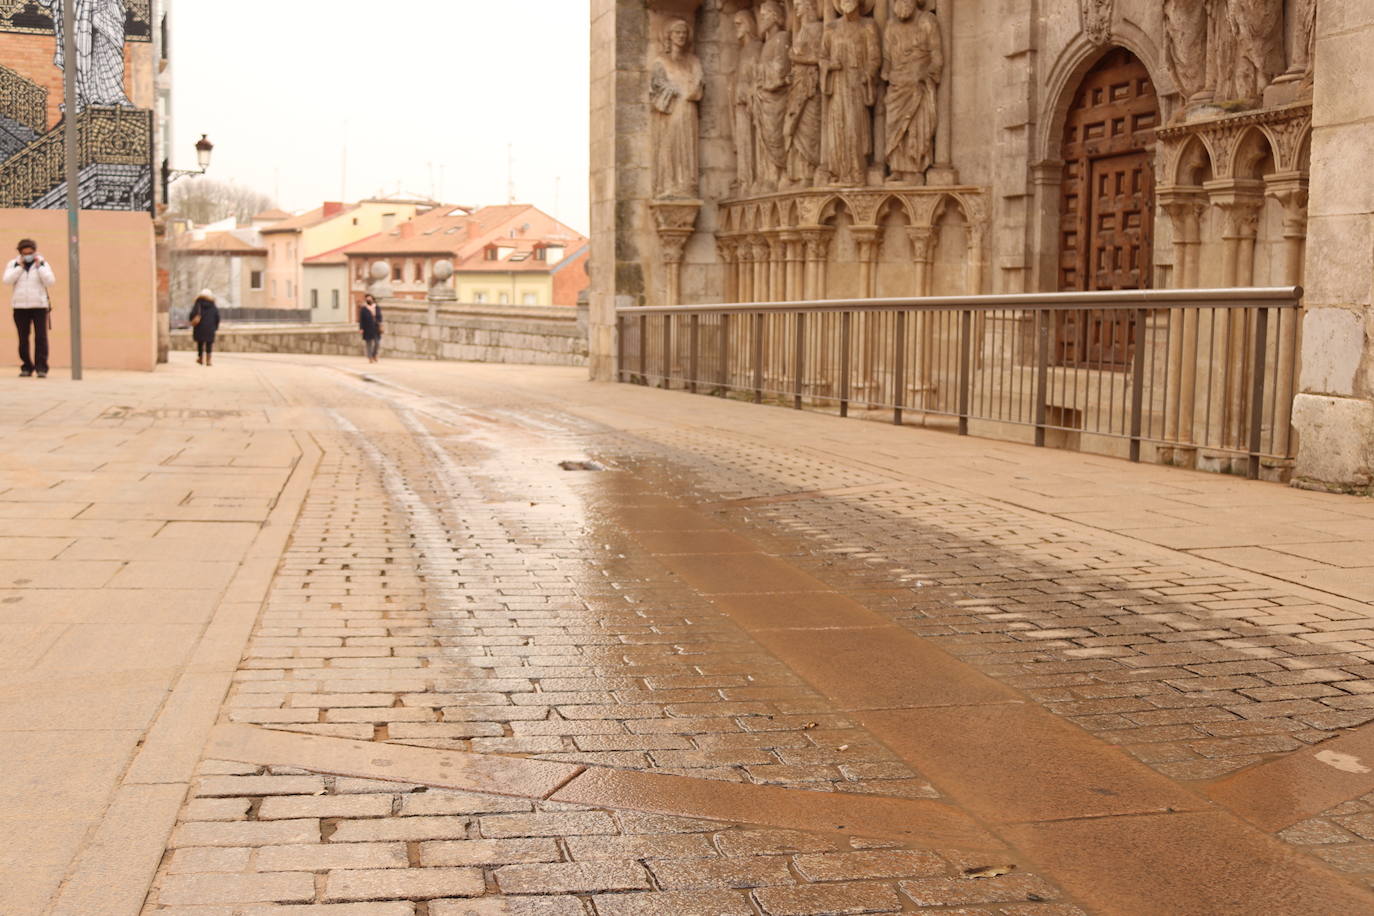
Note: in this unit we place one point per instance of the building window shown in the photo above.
(491, 254)
(360, 270)
(530, 299)
(398, 273)
(274, 288)
(419, 271)
(505, 298)
(541, 254)
(255, 280)
(314, 299)
(334, 295)
(479, 298)
(290, 290)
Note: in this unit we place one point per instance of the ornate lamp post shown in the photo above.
(203, 150)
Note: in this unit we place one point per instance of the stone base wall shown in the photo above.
(528, 335)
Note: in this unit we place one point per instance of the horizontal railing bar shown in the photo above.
(1239, 297)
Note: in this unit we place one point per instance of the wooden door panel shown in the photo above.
(1107, 205)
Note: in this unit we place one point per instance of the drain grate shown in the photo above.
(581, 466)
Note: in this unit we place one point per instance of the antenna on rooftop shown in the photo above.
(510, 173)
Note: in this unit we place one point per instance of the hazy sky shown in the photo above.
(428, 94)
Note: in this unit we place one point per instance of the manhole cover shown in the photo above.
(581, 466)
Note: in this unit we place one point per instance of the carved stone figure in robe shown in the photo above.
(742, 99)
(1259, 45)
(913, 63)
(1096, 19)
(675, 87)
(770, 103)
(851, 57)
(1221, 52)
(1185, 45)
(802, 125)
(1304, 38)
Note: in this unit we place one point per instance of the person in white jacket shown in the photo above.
(31, 276)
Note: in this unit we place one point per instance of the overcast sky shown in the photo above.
(428, 94)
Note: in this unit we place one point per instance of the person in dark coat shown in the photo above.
(204, 324)
(370, 323)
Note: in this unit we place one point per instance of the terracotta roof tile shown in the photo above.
(218, 243)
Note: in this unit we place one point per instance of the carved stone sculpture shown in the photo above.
(1259, 44)
(802, 123)
(770, 104)
(742, 98)
(1096, 18)
(851, 58)
(1185, 44)
(913, 63)
(1304, 14)
(1221, 51)
(675, 87)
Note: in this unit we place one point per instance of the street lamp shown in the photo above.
(203, 150)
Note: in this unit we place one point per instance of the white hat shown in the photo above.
(206, 294)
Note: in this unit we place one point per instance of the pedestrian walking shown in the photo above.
(204, 324)
(370, 323)
(31, 276)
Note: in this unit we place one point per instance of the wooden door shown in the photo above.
(1107, 205)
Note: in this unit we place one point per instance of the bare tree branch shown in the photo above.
(205, 200)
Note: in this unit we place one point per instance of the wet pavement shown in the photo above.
(538, 646)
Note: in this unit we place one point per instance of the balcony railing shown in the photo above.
(1192, 377)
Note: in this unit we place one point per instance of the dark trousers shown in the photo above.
(203, 347)
(37, 320)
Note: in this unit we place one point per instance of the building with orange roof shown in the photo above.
(502, 255)
(231, 262)
(295, 239)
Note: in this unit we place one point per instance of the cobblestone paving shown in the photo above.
(256, 841)
(535, 636)
(445, 588)
(1195, 671)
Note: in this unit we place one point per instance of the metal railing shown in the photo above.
(1196, 377)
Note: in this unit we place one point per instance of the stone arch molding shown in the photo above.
(1287, 131)
(1078, 57)
(922, 208)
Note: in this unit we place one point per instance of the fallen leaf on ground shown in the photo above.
(989, 871)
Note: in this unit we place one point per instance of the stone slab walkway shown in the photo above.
(299, 632)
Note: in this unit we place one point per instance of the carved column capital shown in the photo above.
(675, 222)
(923, 240)
(817, 242)
(1291, 193)
(1240, 202)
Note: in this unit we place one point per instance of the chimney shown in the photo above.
(333, 208)
(407, 230)
(474, 229)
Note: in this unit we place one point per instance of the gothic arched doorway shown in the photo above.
(1107, 204)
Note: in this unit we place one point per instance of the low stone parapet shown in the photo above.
(532, 335)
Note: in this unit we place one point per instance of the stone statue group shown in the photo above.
(1231, 51)
(803, 100)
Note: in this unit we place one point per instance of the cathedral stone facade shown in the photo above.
(761, 150)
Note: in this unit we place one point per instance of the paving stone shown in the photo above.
(400, 828)
(218, 889)
(675, 903)
(836, 899)
(490, 852)
(413, 883)
(321, 857)
(246, 833)
(571, 878)
(293, 806)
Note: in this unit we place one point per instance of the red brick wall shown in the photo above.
(571, 280)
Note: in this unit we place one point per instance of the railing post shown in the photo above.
(1257, 391)
(619, 347)
(1138, 383)
(899, 369)
(846, 320)
(798, 362)
(1042, 373)
(965, 367)
(644, 349)
(668, 350)
(724, 344)
(758, 358)
(693, 347)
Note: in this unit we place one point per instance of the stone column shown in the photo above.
(675, 221)
(1292, 194)
(777, 267)
(866, 329)
(866, 240)
(1185, 207)
(1240, 203)
(793, 256)
(817, 242)
(923, 243)
(762, 267)
(744, 256)
(726, 253)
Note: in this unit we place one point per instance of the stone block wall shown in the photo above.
(526, 335)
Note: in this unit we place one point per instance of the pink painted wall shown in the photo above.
(118, 292)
